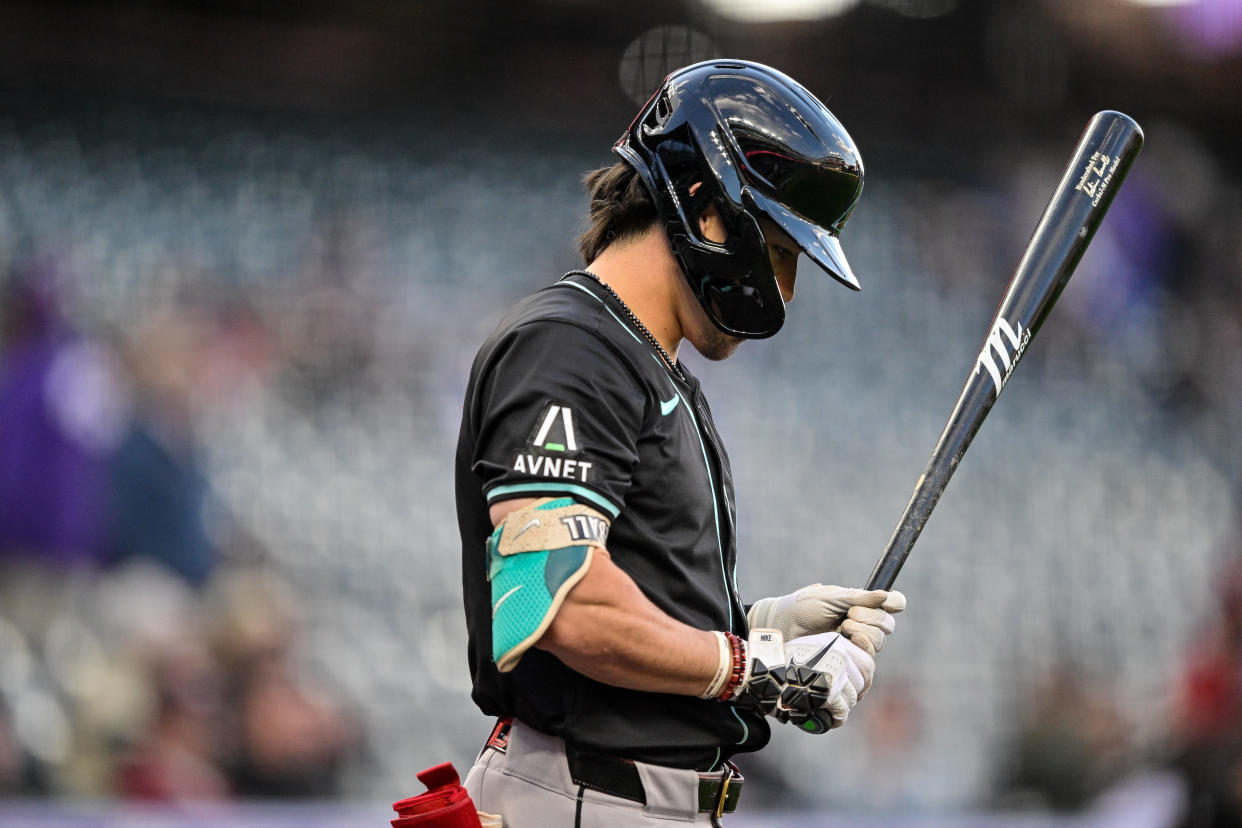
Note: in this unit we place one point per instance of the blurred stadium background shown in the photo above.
(250, 247)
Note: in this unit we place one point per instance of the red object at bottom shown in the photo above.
(445, 805)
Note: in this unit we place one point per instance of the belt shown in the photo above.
(718, 792)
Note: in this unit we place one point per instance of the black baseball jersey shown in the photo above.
(567, 398)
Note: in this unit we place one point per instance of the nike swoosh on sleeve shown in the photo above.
(532, 522)
(504, 598)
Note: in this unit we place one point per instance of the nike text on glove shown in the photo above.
(821, 608)
(812, 682)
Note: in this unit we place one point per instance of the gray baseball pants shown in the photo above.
(530, 786)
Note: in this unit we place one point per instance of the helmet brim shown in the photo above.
(821, 246)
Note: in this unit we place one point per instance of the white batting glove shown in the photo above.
(866, 616)
(811, 682)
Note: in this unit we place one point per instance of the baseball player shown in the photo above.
(594, 496)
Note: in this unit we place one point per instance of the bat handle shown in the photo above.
(884, 574)
(890, 563)
(927, 491)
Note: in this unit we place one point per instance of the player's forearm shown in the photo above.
(609, 631)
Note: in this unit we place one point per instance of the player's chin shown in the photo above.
(715, 344)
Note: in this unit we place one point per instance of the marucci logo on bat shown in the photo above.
(1017, 340)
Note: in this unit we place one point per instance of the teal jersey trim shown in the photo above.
(569, 488)
(711, 481)
(624, 326)
(610, 313)
(745, 727)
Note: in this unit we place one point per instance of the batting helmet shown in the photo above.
(760, 145)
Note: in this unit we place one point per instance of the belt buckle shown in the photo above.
(724, 791)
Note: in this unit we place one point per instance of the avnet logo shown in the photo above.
(1003, 338)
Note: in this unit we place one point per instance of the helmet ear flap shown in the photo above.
(726, 298)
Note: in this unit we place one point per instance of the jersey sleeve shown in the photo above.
(558, 413)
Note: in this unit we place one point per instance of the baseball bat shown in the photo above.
(1095, 171)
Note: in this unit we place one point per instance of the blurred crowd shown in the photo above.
(148, 648)
(220, 475)
(1207, 719)
(1071, 743)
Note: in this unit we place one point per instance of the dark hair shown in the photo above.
(621, 208)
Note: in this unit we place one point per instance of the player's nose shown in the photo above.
(786, 275)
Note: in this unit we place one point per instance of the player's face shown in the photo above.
(783, 251)
(706, 338)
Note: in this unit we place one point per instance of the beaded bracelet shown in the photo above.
(740, 667)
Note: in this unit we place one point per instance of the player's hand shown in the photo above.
(812, 682)
(866, 616)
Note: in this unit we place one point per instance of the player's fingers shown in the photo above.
(859, 682)
(887, 600)
(894, 602)
(875, 617)
(839, 709)
(862, 597)
(865, 637)
(853, 692)
(861, 660)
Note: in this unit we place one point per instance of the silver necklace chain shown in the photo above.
(638, 323)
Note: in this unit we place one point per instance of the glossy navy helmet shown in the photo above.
(761, 145)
